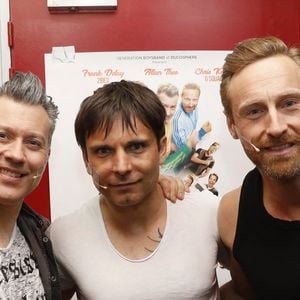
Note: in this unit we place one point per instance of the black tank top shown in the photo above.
(267, 249)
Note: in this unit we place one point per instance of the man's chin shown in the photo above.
(189, 110)
(282, 170)
(282, 174)
(126, 202)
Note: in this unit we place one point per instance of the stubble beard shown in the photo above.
(277, 168)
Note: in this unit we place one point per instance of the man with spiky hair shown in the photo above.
(27, 122)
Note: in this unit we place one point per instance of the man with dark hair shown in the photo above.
(27, 121)
(210, 185)
(129, 242)
(259, 222)
(212, 180)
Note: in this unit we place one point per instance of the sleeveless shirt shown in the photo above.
(267, 249)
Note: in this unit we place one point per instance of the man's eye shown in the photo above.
(254, 112)
(137, 147)
(34, 144)
(289, 103)
(102, 151)
(3, 135)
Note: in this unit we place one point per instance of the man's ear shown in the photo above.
(86, 162)
(232, 128)
(162, 149)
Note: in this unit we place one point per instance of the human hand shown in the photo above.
(173, 187)
(207, 127)
(208, 162)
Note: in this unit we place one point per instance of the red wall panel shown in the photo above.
(144, 25)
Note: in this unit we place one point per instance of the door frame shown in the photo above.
(5, 58)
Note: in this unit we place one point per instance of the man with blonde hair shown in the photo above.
(186, 116)
(259, 221)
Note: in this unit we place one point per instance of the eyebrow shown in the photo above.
(130, 142)
(37, 136)
(293, 92)
(138, 141)
(290, 93)
(27, 135)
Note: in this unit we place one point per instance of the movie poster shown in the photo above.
(200, 149)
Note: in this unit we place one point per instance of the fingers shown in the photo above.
(172, 187)
(179, 189)
(207, 126)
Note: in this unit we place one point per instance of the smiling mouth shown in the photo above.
(279, 147)
(123, 184)
(279, 150)
(11, 173)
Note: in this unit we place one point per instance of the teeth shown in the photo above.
(11, 174)
(280, 147)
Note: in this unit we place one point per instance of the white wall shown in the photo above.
(5, 61)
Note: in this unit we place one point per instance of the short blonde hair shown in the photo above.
(247, 52)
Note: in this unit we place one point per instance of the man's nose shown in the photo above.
(121, 163)
(168, 112)
(14, 150)
(276, 123)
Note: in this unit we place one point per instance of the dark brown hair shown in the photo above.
(127, 99)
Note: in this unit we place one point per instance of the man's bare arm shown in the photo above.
(239, 287)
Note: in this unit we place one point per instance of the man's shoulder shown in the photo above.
(230, 200)
(179, 114)
(227, 216)
(76, 219)
(196, 212)
(202, 202)
(200, 150)
(29, 216)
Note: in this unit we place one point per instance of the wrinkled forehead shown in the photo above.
(168, 100)
(265, 79)
(25, 119)
(190, 92)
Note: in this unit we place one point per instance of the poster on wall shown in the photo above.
(187, 83)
